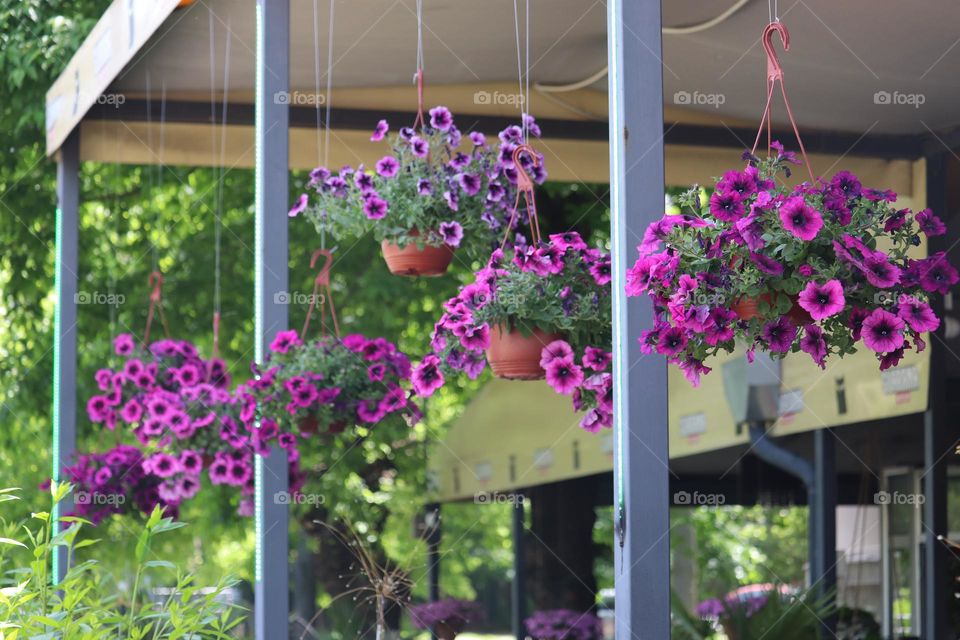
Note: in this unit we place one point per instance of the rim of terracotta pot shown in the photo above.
(412, 261)
(514, 356)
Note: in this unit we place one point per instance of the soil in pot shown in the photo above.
(413, 261)
(514, 356)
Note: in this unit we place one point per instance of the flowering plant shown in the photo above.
(329, 383)
(426, 190)
(560, 287)
(563, 624)
(450, 611)
(814, 268)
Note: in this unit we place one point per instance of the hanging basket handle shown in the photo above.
(321, 282)
(155, 280)
(525, 187)
(420, 120)
(775, 76)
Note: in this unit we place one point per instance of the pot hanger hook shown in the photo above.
(774, 70)
(323, 278)
(524, 181)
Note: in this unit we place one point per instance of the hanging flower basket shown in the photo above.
(447, 618)
(414, 260)
(515, 355)
(818, 268)
(533, 312)
(430, 195)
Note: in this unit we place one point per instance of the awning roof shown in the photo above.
(842, 54)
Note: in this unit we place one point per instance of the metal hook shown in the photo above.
(524, 182)
(323, 278)
(155, 280)
(774, 70)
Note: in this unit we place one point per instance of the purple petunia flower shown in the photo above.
(375, 372)
(427, 377)
(671, 341)
(478, 139)
(726, 206)
(741, 182)
(918, 315)
(470, 183)
(564, 375)
(475, 337)
(936, 274)
(284, 341)
(596, 359)
(375, 207)
(800, 219)
(780, 334)
(846, 184)
(380, 131)
(814, 344)
(441, 118)
(930, 224)
(883, 331)
(424, 187)
(766, 264)
(419, 147)
(298, 206)
(387, 166)
(370, 411)
(123, 344)
(878, 271)
(452, 233)
(162, 465)
(822, 300)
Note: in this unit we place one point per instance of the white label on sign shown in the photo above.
(543, 458)
(693, 425)
(791, 401)
(54, 107)
(102, 51)
(900, 379)
(484, 471)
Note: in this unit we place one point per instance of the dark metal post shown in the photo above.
(823, 521)
(272, 597)
(433, 550)
(641, 475)
(65, 328)
(518, 592)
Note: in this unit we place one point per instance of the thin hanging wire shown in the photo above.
(328, 96)
(523, 63)
(154, 254)
(420, 36)
(323, 126)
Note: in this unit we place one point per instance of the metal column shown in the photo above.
(433, 550)
(64, 408)
(641, 483)
(271, 573)
(823, 521)
(518, 590)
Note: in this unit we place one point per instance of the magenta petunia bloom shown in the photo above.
(822, 300)
(387, 166)
(878, 270)
(441, 118)
(191, 462)
(370, 411)
(419, 147)
(766, 264)
(375, 372)
(299, 206)
(883, 331)
(162, 465)
(556, 350)
(930, 224)
(600, 270)
(726, 205)
(846, 184)
(375, 207)
(427, 377)
(814, 344)
(568, 240)
(596, 359)
(564, 375)
(284, 341)
(936, 274)
(918, 315)
(475, 338)
(380, 131)
(800, 219)
(780, 334)
(470, 183)
(452, 233)
(123, 344)
(131, 412)
(424, 187)
(671, 341)
(741, 182)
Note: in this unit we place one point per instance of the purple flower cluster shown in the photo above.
(113, 482)
(808, 256)
(455, 613)
(731, 606)
(562, 286)
(563, 624)
(435, 184)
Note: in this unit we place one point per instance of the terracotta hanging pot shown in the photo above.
(514, 356)
(311, 426)
(446, 631)
(414, 261)
(749, 308)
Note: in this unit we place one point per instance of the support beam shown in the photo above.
(641, 474)
(434, 533)
(518, 590)
(823, 522)
(64, 408)
(271, 592)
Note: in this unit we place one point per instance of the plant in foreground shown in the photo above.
(87, 603)
(815, 268)
(563, 624)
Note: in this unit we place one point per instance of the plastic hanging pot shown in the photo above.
(749, 308)
(414, 261)
(514, 356)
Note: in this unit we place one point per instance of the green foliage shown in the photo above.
(87, 603)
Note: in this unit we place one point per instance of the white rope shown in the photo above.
(526, 75)
(516, 30)
(328, 100)
(218, 228)
(419, 35)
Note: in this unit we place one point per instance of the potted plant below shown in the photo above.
(819, 268)
(532, 312)
(447, 618)
(433, 193)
